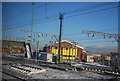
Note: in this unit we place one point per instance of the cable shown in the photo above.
(69, 12)
(85, 13)
(87, 8)
(22, 13)
(96, 11)
(42, 20)
(30, 24)
(91, 12)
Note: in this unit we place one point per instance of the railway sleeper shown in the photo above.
(21, 69)
(32, 67)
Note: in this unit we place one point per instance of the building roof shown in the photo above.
(69, 43)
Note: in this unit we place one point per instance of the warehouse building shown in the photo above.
(9, 47)
(16, 47)
(68, 50)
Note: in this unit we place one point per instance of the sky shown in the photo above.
(78, 16)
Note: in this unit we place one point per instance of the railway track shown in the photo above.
(27, 69)
(102, 70)
(8, 73)
(96, 69)
(7, 77)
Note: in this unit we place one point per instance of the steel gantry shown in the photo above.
(116, 36)
(55, 36)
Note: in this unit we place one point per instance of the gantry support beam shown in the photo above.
(56, 36)
(116, 36)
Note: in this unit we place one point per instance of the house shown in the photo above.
(91, 57)
(68, 50)
(100, 58)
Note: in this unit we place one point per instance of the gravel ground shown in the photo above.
(57, 74)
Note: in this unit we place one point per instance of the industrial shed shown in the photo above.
(13, 47)
(68, 51)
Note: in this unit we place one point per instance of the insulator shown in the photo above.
(83, 31)
(46, 35)
(29, 36)
(34, 35)
(33, 39)
(38, 35)
(52, 37)
(104, 37)
(109, 37)
(88, 35)
(42, 35)
(33, 3)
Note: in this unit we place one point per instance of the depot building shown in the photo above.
(68, 50)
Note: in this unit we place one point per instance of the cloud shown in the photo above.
(101, 49)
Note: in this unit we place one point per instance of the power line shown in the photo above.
(22, 13)
(69, 12)
(87, 8)
(50, 17)
(70, 16)
(80, 10)
(91, 12)
(30, 23)
(42, 19)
